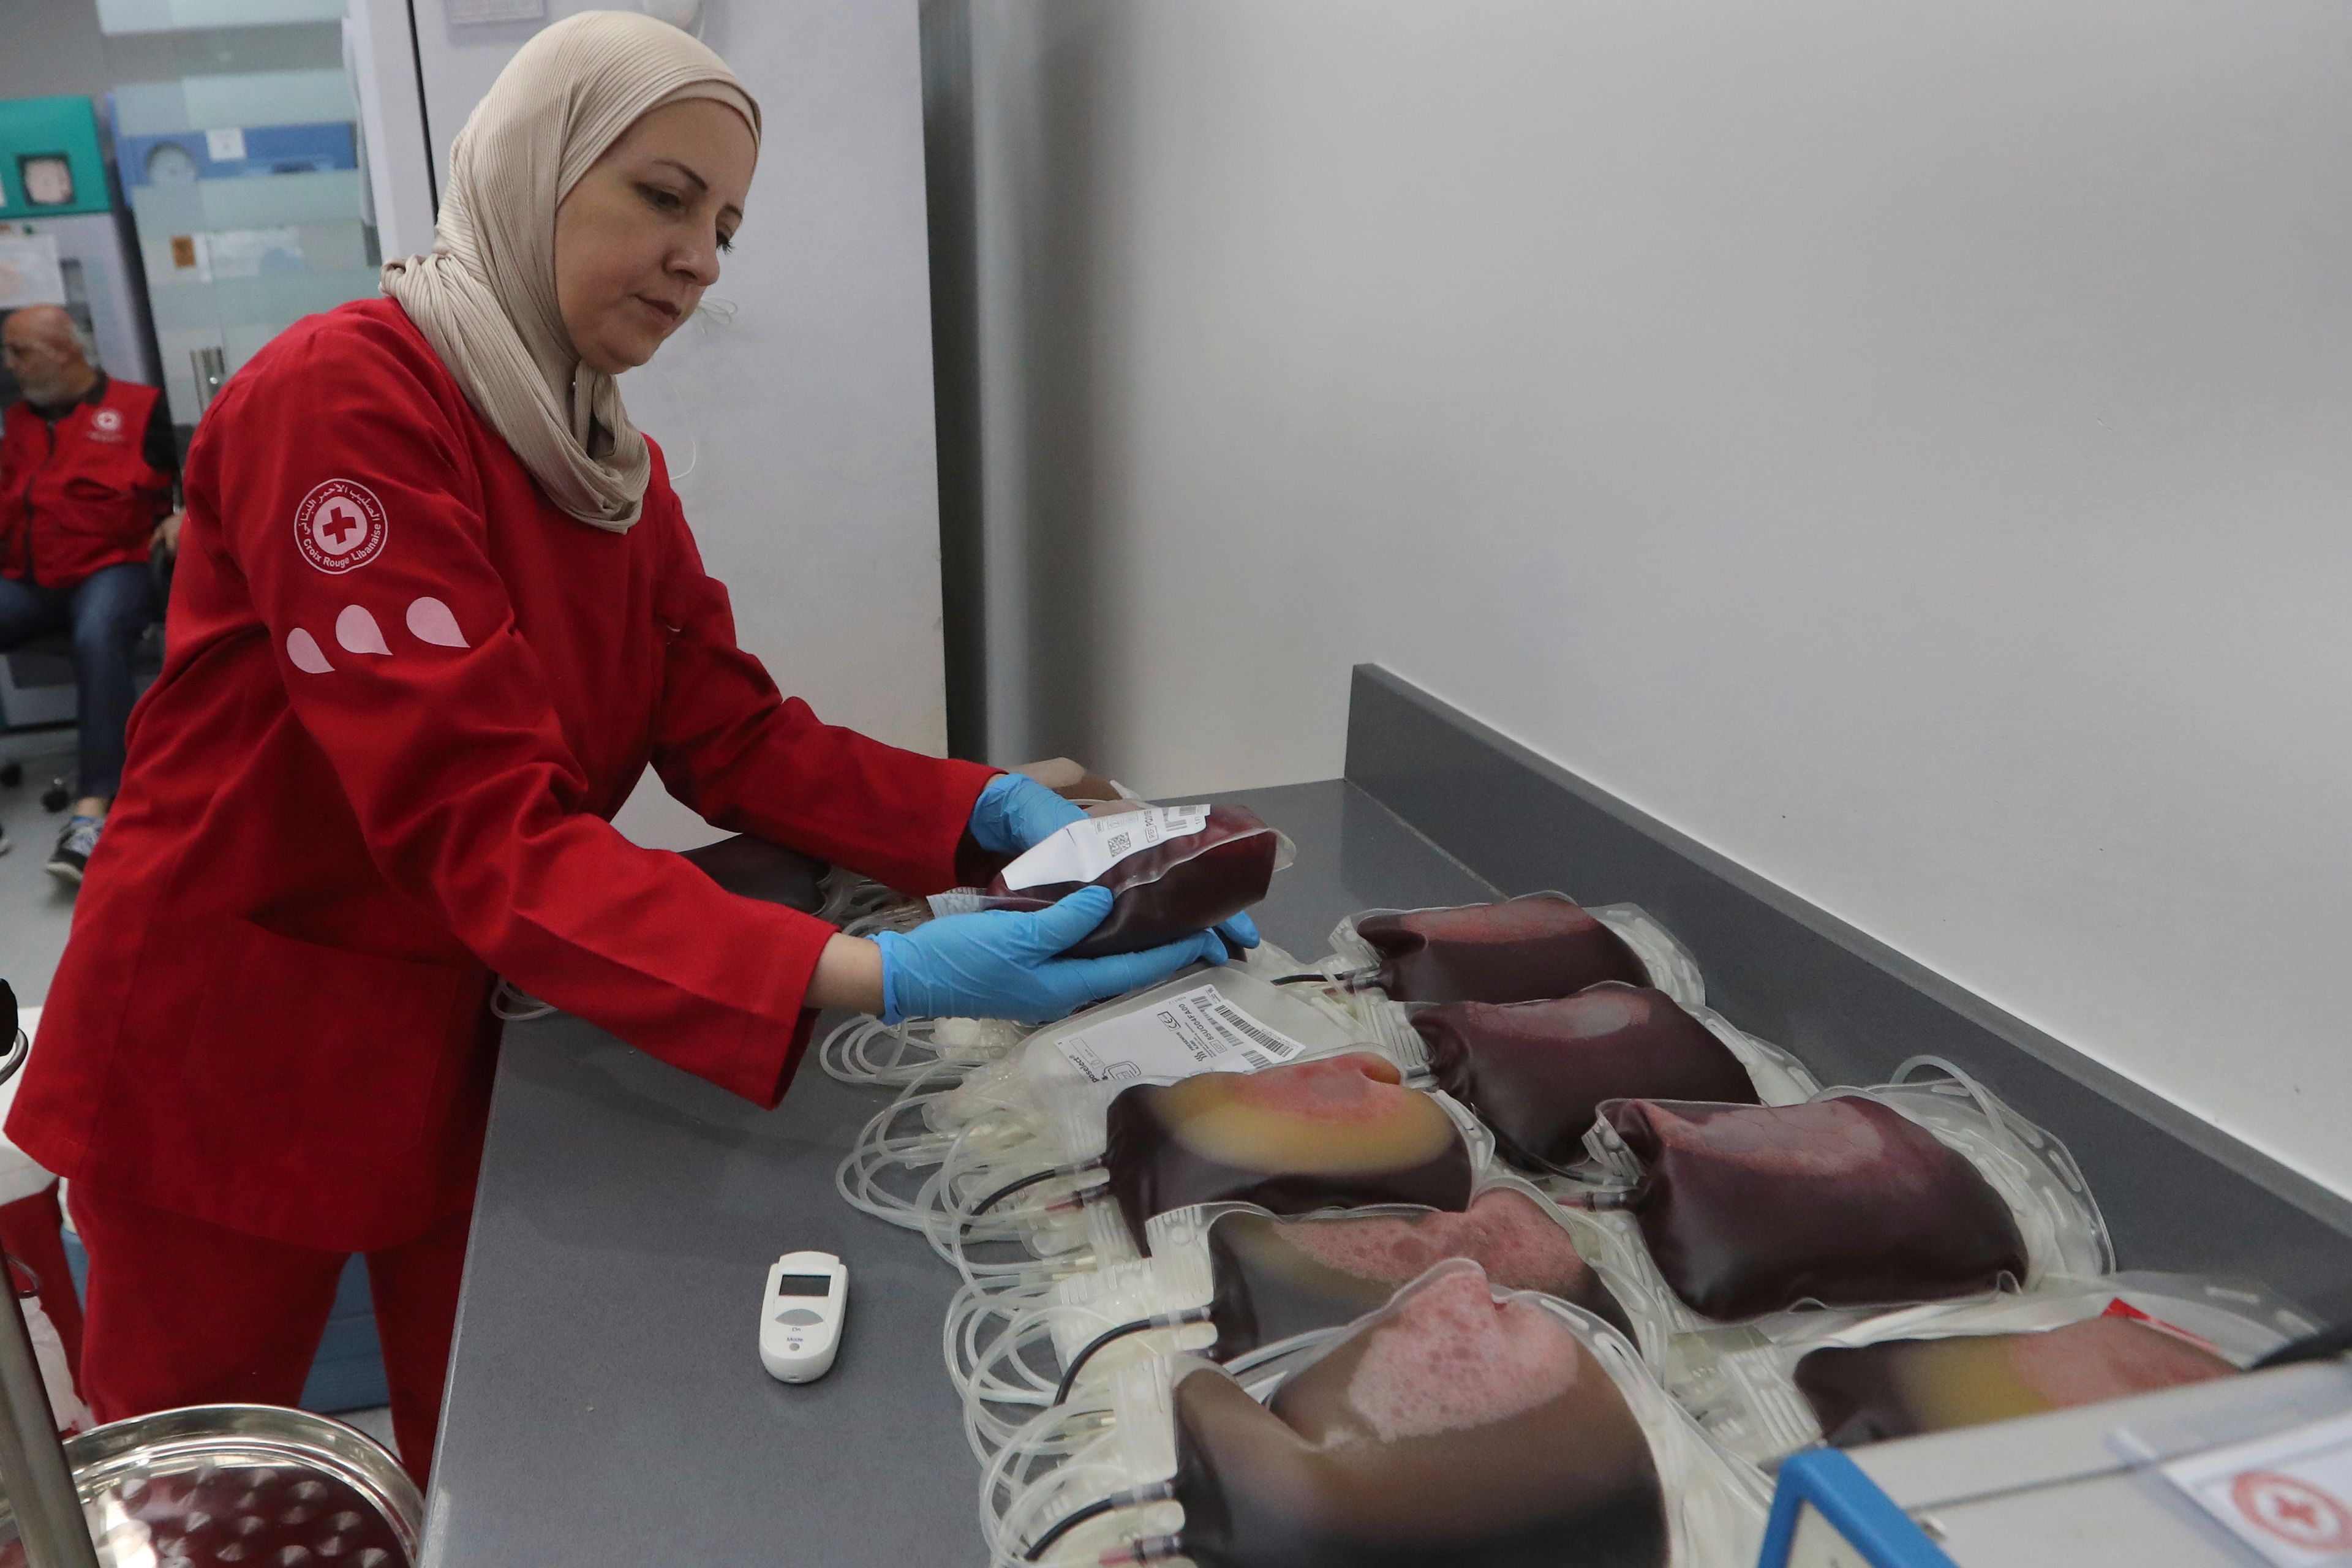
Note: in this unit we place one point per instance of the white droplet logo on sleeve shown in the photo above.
(305, 653)
(434, 622)
(357, 631)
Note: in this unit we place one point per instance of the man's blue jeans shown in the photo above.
(107, 610)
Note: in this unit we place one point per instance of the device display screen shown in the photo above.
(803, 1284)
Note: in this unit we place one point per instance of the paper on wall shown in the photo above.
(29, 271)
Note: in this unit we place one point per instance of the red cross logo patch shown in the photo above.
(2293, 1512)
(341, 526)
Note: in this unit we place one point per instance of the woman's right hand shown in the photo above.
(1003, 963)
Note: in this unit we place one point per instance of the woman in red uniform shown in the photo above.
(437, 611)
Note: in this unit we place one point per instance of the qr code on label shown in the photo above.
(1120, 843)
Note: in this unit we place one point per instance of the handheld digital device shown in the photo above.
(801, 1314)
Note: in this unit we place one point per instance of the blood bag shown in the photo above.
(1931, 1369)
(1843, 1200)
(1244, 1286)
(980, 1125)
(1449, 1428)
(1339, 1132)
(1453, 1426)
(1902, 1387)
(1526, 949)
(1168, 876)
(1749, 1210)
(1276, 1278)
(1536, 1072)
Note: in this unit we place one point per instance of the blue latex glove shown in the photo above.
(1003, 963)
(1015, 812)
(1241, 930)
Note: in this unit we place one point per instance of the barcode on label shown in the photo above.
(1225, 1015)
(1194, 1031)
(1120, 843)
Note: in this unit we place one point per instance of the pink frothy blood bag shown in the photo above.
(1448, 1430)
(1278, 1277)
(1171, 890)
(1751, 1209)
(1336, 1132)
(1867, 1394)
(1536, 1072)
(1520, 950)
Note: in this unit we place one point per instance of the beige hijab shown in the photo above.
(485, 298)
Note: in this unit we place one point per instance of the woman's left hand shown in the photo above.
(1016, 813)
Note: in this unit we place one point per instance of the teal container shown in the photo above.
(50, 161)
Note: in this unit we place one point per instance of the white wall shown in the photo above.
(1906, 446)
(53, 49)
(802, 428)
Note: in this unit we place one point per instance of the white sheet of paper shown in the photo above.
(1195, 1031)
(29, 273)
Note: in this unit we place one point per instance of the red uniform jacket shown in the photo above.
(403, 697)
(84, 498)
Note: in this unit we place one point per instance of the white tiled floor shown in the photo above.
(35, 909)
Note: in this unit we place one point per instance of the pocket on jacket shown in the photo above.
(334, 1056)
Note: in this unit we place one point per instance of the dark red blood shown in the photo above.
(1315, 1135)
(1751, 1209)
(255, 1517)
(1171, 890)
(1526, 949)
(1536, 1072)
(1274, 1279)
(1438, 1433)
(1868, 1393)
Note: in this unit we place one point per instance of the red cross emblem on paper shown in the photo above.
(340, 526)
(2294, 1510)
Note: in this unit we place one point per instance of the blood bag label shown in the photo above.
(1084, 850)
(1196, 1031)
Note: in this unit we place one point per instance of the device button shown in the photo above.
(798, 1317)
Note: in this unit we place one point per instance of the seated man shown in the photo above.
(87, 466)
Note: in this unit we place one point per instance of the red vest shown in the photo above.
(85, 498)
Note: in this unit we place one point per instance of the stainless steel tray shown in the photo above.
(239, 1484)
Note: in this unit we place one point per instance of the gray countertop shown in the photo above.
(606, 1404)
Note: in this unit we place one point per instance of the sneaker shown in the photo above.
(71, 857)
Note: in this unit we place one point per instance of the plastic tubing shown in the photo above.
(1013, 1485)
(1112, 1336)
(877, 1149)
(1159, 1492)
(983, 1429)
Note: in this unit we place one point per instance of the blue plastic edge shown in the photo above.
(1848, 1498)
